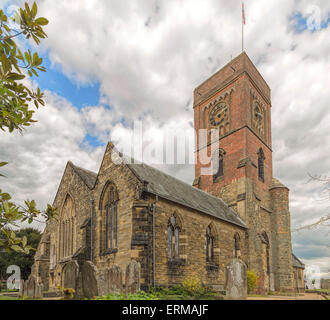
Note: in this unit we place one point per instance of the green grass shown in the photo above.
(8, 298)
(326, 291)
(177, 292)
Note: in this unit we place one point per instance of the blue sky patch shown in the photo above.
(301, 23)
(54, 80)
(93, 141)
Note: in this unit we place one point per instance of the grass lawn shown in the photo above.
(8, 298)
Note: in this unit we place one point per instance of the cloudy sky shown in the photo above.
(112, 62)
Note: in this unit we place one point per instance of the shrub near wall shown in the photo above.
(251, 280)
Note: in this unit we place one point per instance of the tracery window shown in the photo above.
(67, 230)
(109, 218)
(258, 118)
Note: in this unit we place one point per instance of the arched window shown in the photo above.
(261, 159)
(66, 247)
(217, 164)
(109, 223)
(173, 238)
(237, 246)
(209, 245)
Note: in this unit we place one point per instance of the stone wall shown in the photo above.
(298, 279)
(282, 250)
(127, 184)
(192, 249)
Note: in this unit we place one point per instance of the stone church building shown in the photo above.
(131, 211)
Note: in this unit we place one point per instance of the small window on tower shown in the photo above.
(217, 164)
(261, 159)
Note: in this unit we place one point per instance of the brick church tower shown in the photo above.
(234, 109)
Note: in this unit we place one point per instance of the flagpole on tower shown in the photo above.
(243, 23)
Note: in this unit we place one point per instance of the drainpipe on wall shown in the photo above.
(153, 241)
(92, 214)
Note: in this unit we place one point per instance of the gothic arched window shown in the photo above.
(109, 211)
(67, 232)
(261, 159)
(217, 164)
(237, 246)
(209, 245)
(173, 235)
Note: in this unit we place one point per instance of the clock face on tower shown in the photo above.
(258, 119)
(219, 114)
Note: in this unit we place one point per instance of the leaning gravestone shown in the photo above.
(132, 283)
(236, 282)
(89, 280)
(115, 279)
(70, 275)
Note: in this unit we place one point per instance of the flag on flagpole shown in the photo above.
(243, 13)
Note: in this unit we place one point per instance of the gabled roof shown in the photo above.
(170, 188)
(86, 176)
(296, 262)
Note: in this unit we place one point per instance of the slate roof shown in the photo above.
(87, 176)
(170, 188)
(296, 262)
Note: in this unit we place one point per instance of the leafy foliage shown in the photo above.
(251, 280)
(189, 289)
(131, 296)
(16, 113)
(10, 217)
(15, 96)
(21, 259)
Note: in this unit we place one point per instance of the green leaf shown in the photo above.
(15, 76)
(24, 241)
(17, 248)
(2, 164)
(6, 196)
(34, 10)
(42, 21)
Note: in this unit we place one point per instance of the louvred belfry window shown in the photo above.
(261, 170)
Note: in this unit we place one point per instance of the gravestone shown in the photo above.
(25, 289)
(21, 289)
(132, 283)
(236, 282)
(103, 282)
(39, 291)
(31, 286)
(70, 275)
(89, 280)
(115, 279)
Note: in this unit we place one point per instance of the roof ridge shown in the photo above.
(89, 171)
